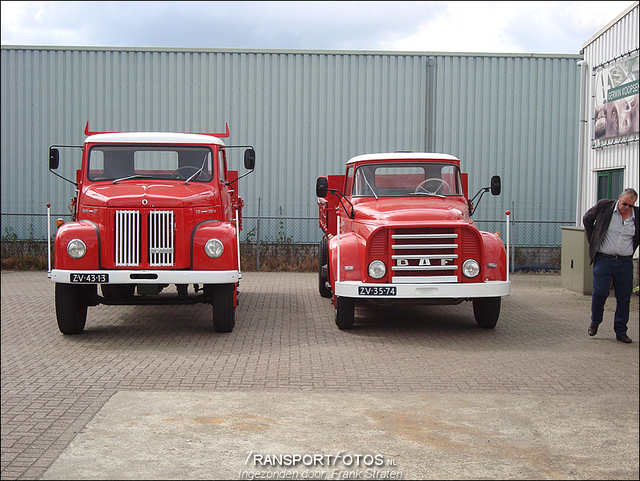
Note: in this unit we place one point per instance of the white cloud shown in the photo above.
(508, 27)
(511, 27)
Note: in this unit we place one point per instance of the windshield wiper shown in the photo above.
(428, 194)
(369, 185)
(136, 176)
(197, 172)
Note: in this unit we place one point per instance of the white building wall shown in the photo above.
(618, 40)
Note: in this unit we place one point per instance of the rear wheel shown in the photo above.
(486, 311)
(71, 308)
(323, 268)
(345, 312)
(224, 318)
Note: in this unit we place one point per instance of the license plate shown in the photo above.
(89, 278)
(377, 291)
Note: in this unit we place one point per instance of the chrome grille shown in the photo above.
(424, 255)
(127, 239)
(161, 238)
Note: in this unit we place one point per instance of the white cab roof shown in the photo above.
(153, 138)
(401, 156)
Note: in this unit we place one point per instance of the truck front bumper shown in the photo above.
(423, 291)
(143, 277)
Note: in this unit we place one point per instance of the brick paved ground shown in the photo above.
(285, 340)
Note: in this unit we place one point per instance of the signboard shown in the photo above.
(616, 99)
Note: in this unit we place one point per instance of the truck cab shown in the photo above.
(398, 228)
(151, 210)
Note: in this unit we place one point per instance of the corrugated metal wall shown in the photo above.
(618, 40)
(306, 113)
(515, 117)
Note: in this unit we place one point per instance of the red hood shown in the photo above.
(411, 210)
(127, 194)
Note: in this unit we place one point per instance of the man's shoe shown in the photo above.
(593, 329)
(624, 338)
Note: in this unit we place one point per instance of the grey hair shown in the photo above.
(630, 191)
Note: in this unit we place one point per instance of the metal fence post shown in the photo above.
(258, 238)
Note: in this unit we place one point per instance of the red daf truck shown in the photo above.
(398, 228)
(151, 210)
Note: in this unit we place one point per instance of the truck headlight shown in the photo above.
(470, 268)
(377, 269)
(214, 248)
(76, 249)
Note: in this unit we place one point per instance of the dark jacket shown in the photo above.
(596, 222)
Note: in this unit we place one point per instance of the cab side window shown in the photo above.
(222, 166)
(349, 182)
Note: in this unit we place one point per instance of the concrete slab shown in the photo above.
(342, 435)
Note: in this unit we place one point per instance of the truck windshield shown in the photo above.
(407, 180)
(122, 162)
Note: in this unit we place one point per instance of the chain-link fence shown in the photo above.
(534, 242)
(295, 230)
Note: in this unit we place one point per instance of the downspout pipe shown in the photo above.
(582, 138)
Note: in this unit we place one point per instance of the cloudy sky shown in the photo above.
(493, 27)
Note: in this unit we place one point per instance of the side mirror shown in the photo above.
(322, 187)
(495, 185)
(249, 159)
(54, 158)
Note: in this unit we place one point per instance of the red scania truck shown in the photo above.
(398, 228)
(151, 210)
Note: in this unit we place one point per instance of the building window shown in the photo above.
(610, 183)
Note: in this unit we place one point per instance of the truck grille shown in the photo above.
(424, 255)
(161, 238)
(128, 238)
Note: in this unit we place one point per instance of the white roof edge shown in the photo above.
(408, 53)
(402, 156)
(154, 138)
(610, 24)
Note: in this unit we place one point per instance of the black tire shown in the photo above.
(71, 308)
(323, 268)
(486, 311)
(224, 317)
(345, 312)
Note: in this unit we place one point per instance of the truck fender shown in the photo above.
(495, 257)
(350, 247)
(214, 229)
(87, 232)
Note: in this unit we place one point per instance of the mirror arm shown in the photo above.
(480, 193)
(341, 196)
(81, 147)
(63, 178)
(236, 180)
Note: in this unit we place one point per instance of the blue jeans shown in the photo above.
(620, 271)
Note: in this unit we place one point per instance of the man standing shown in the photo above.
(612, 228)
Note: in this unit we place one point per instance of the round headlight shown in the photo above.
(214, 248)
(377, 269)
(470, 268)
(76, 249)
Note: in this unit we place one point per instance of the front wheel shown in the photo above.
(345, 312)
(224, 317)
(71, 308)
(486, 311)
